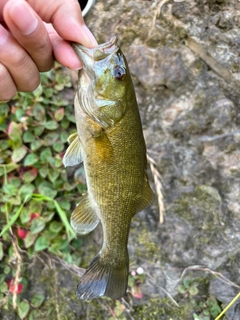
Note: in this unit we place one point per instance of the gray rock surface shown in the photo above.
(184, 58)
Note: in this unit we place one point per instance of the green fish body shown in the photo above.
(110, 142)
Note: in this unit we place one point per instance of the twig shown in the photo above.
(156, 14)
(158, 187)
(128, 308)
(197, 48)
(217, 274)
(72, 268)
(161, 288)
(18, 271)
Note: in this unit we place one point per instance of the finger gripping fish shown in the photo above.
(109, 141)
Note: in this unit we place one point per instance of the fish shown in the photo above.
(109, 140)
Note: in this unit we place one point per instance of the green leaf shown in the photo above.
(37, 300)
(37, 225)
(45, 154)
(30, 239)
(43, 172)
(53, 175)
(23, 309)
(51, 125)
(47, 191)
(48, 92)
(55, 248)
(59, 114)
(50, 138)
(30, 159)
(4, 145)
(26, 190)
(36, 144)
(7, 270)
(193, 290)
(181, 289)
(48, 215)
(64, 137)
(186, 282)
(15, 134)
(38, 130)
(58, 146)
(41, 243)
(65, 205)
(215, 310)
(34, 315)
(30, 175)
(15, 181)
(25, 215)
(7, 168)
(39, 112)
(10, 189)
(65, 123)
(28, 137)
(20, 114)
(55, 226)
(3, 287)
(58, 161)
(71, 118)
(18, 154)
(2, 278)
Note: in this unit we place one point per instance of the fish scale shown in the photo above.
(110, 142)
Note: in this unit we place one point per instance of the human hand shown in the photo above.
(32, 34)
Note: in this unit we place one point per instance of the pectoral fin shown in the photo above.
(74, 153)
(84, 218)
(148, 196)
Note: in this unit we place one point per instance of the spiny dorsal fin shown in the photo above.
(84, 218)
(148, 196)
(72, 137)
(74, 153)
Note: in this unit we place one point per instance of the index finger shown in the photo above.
(66, 18)
(2, 4)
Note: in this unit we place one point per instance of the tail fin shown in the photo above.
(103, 280)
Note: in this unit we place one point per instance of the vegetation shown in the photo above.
(36, 197)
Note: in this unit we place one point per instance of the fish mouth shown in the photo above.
(90, 55)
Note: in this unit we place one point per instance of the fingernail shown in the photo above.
(3, 35)
(90, 36)
(24, 18)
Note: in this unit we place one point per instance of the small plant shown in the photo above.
(188, 288)
(208, 309)
(136, 278)
(36, 197)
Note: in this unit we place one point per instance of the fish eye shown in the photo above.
(119, 73)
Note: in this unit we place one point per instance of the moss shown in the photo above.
(147, 248)
(163, 309)
(203, 204)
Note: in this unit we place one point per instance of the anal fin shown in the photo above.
(84, 219)
(148, 196)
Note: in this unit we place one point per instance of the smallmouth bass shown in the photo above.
(109, 141)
